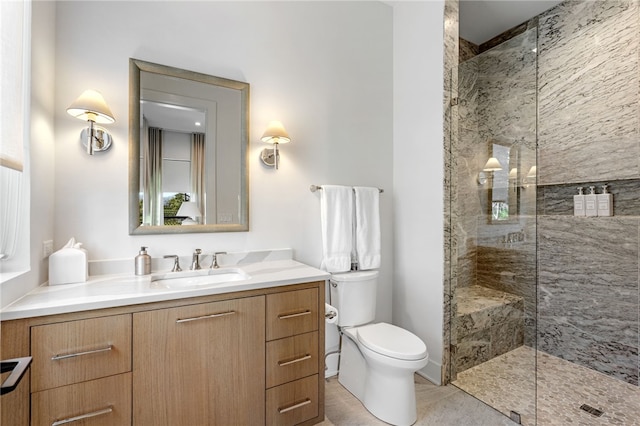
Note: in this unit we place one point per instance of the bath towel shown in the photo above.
(336, 216)
(367, 227)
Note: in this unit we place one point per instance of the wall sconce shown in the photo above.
(191, 211)
(90, 106)
(275, 134)
(492, 165)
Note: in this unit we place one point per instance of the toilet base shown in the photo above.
(387, 391)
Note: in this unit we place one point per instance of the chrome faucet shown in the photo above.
(214, 259)
(195, 260)
(176, 262)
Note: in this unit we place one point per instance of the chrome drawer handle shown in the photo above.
(297, 314)
(294, 406)
(83, 416)
(222, 314)
(293, 361)
(95, 351)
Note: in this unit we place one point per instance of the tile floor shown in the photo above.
(437, 406)
(507, 383)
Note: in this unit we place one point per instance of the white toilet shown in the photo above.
(377, 361)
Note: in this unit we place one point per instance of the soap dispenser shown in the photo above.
(605, 202)
(578, 203)
(143, 262)
(591, 202)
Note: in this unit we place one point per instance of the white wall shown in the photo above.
(418, 174)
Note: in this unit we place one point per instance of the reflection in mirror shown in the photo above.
(188, 151)
(504, 190)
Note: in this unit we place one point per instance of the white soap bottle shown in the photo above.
(591, 202)
(605, 202)
(578, 203)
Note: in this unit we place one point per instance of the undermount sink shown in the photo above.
(198, 279)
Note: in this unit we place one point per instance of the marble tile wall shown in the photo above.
(588, 92)
(451, 48)
(589, 114)
(588, 292)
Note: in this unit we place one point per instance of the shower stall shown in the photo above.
(544, 317)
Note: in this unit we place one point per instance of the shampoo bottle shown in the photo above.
(605, 202)
(591, 202)
(143, 262)
(578, 203)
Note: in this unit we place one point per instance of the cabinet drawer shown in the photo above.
(76, 351)
(102, 402)
(293, 403)
(292, 312)
(292, 358)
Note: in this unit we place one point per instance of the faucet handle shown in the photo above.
(176, 263)
(214, 259)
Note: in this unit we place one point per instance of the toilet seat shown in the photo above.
(389, 340)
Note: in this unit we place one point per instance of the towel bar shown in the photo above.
(314, 188)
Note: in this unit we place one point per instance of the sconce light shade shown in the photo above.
(189, 209)
(533, 172)
(513, 173)
(90, 106)
(493, 165)
(275, 134)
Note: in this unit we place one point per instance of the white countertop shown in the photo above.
(107, 291)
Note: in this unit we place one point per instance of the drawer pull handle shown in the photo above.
(294, 406)
(297, 314)
(83, 416)
(222, 314)
(95, 351)
(293, 361)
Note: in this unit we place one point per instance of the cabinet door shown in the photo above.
(200, 364)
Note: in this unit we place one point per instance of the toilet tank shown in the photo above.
(353, 294)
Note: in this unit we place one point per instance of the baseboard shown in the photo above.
(432, 372)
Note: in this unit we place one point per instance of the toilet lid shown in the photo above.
(392, 341)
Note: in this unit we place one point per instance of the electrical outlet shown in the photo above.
(47, 248)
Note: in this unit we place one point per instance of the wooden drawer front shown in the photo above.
(103, 402)
(76, 351)
(292, 312)
(292, 358)
(293, 403)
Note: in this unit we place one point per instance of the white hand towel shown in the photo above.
(368, 227)
(336, 215)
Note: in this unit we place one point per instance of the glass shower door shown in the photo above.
(493, 227)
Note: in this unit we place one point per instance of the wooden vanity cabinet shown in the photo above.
(253, 357)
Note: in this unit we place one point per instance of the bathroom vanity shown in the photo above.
(248, 352)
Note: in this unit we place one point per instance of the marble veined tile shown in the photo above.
(588, 292)
(607, 356)
(588, 92)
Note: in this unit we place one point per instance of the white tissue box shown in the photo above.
(67, 266)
